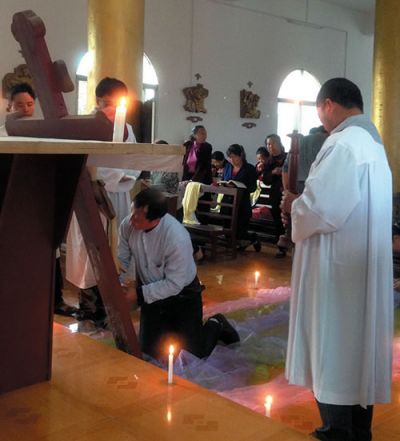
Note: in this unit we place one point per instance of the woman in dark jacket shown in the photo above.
(238, 169)
(272, 175)
(197, 159)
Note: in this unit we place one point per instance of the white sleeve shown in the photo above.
(330, 195)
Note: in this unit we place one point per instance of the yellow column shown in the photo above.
(115, 40)
(386, 92)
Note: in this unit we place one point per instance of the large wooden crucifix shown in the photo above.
(37, 190)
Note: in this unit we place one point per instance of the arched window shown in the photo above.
(150, 81)
(296, 104)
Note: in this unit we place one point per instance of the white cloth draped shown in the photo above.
(79, 271)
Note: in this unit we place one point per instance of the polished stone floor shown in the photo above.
(228, 280)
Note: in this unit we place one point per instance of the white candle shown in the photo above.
(170, 364)
(169, 415)
(297, 117)
(256, 277)
(119, 121)
(268, 405)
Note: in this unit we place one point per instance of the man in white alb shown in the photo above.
(341, 318)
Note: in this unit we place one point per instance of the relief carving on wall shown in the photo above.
(248, 104)
(21, 74)
(195, 97)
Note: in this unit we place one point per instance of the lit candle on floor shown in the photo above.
(169, 415)
(119, 121)
(268, 405)
(170, 364)
(256, 277)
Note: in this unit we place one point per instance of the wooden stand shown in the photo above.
(37, 190)
(35, 202)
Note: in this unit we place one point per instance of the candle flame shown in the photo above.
(257, 274)
(122, 102)
(268, 400)
(171, 350)
(169, 415)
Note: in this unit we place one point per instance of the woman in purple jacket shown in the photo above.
(197, 159)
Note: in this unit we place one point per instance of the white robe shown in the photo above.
(78, 269)
(341, 318)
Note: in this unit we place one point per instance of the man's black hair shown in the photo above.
(22, 88)
(341, 91)
(218, 156)
(110, 86)
(262, 151)
(154, 200)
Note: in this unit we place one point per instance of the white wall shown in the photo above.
(228, 43)
(231, 43)
(66, 26)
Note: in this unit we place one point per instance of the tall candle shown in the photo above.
(170, 364)
(119, 121)
(297, 117)
(268, 405)
(256, 277)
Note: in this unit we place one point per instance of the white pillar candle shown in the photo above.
(256, 278)
(170, 364)
(119, 121)
(268, 405)
(297, 117)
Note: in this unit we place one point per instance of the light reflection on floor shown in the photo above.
(231, 280)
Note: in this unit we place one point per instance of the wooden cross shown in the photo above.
(50, 80)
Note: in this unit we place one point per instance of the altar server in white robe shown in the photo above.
(118, 183)
(340, 336)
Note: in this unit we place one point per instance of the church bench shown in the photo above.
(218, 219)
(261, 221)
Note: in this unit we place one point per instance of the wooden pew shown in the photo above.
(264, 225)
(218, 223)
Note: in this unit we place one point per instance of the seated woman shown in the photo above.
(197, 159)
(238, 169)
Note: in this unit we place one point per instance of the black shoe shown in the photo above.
(103, 324)
(280, 255)
(63, 308)
(82, 315)
(228, 334)
(257, 246)
(326, 434)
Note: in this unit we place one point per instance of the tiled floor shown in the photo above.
(234, 279)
